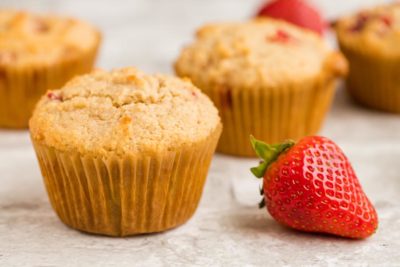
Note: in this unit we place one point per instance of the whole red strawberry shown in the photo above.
(311, 186)
(297, 12)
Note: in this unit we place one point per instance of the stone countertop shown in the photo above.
(228, 229)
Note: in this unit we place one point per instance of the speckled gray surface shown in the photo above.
(228, 229)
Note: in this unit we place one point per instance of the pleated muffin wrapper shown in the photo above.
(275, 114)
(22, 86)
(374, 79)
(126, 195)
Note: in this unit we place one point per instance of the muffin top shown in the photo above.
(259, 53)
(375, 30)
(27, 39)
(123, 111)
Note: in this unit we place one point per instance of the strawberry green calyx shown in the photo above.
(268, 154)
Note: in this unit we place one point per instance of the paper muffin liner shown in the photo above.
(126, 195)
(272, 114)
(374, 81)
(21, 88)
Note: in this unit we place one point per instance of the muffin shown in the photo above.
(123, 152)
(39, 53)
(268, 78)
(371, 42)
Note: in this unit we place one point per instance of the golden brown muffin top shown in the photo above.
(375, 30)
(124, 111)
(27, 39)
(258, 53)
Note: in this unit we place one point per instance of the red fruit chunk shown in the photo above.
(281, 37)
(298, 12)
(387, 21)
(362, 19)
(311, 186)
(53, 96)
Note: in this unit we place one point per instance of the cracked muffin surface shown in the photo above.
(373, 31)
(33, 39)
(259, 53)
(123, 111)
(39, 52)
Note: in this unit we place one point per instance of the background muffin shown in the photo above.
(371, 42)
(267, 78)
(39, 53)
(123, 152)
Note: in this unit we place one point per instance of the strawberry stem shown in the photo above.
(268, 154)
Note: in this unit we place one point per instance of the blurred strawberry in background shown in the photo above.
(298, 12)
